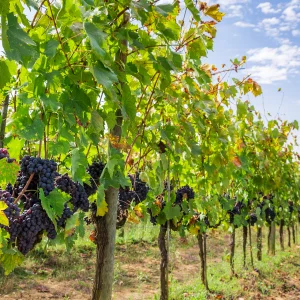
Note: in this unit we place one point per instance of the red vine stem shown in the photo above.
(59, 37)
(24, 188)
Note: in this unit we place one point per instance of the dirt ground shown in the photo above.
(137, 276)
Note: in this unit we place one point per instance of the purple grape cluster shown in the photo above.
(67, 213)
(94, 170)
(12, 212)
(236, 210)
(139, 188)
(33, 222)
(185, 192)
(252, 219)
(79, 197)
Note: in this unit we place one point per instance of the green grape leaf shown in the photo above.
(5, 75)
(10, 259)
(97, 122)
(97, 38)
(104, 76)
(8, 172)
(53, 204)
(51, 48)
(191, 6)
(71, 223)
(79, 164)
(171, 211)
(164, 9)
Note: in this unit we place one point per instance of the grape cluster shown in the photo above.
(125, 197)
(236, 210)
(184, 192)
(291, 207)
(12, 212)
(94, 170)
(252, 219)
(270, 215)
(34, 222)
(139, 187)
(44, 171)
(78, 194)
(67, 213)
(44, 168)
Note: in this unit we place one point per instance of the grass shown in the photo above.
(70, 275)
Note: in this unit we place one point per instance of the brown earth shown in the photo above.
(137, 275)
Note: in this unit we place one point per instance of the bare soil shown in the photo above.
(137, 275)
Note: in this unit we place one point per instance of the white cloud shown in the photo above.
(244, 24)
(292, 13)
(296, 32)
(267, 74)
(232, 8)
(235, 11)
(274, 64)
(270, 21)
(266, 8)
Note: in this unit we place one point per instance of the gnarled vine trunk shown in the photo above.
(202, 253)
(164, 278)
(245, 233)
(232, 249)
(250, 245)
(259, 243)
(294, 233)
(105, 227)
(272, 239)
(281, 234)
(289, 236)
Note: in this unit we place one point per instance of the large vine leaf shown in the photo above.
(8, 172)
(53, 204)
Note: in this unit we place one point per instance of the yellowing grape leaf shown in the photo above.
(139, 211)
(194, 229)
(3, 218)
(99, 197)
(133, 218)
(10, 259)
(213, 12)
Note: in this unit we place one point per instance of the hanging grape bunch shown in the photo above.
(94, 170)
(183, 193)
